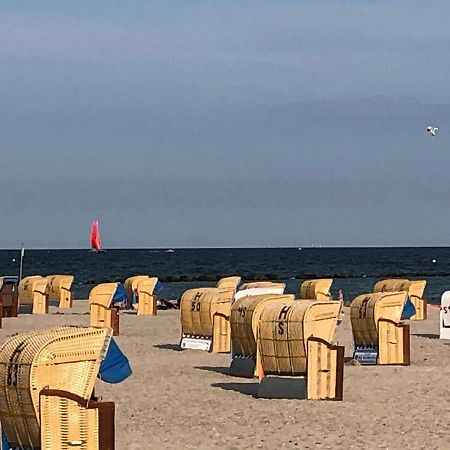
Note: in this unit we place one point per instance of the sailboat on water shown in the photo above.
(96, 242)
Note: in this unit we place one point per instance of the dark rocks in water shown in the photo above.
(186, 278)
(305, 276)
(260, 277)
(172, 279)
(208, 278)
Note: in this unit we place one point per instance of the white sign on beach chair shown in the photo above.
(445, 316)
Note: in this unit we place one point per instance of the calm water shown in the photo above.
(354, 270)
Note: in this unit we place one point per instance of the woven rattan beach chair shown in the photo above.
(9, 296)
(59, 288)
(379, 335)
(47, 380)
(205, 319)
(146, 305)
(102, 312)
(415, 290)
(316, 289)
(244, 320)
(131, 284)
(298, 357)
(229, 282)
(33, 291)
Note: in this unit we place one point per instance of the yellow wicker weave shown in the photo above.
(33, 291)
(316, 289)
(100, 299)
(147, 300)
(61, 358)
(59, 288)
(229, 282)
(414, 288)
(284, 331)
(205, 312)
(244, 320)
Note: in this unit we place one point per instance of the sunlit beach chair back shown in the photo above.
(229, 282)
(295, 340)
(146, 305)
(318, 289)
(259, 288)
(244, 320)
(33, 291)
(131, 284)
(9, 296)
(379, 335)
(102, 313)
(59, 288)
(205, 319)
(65, 358)
(415, 290)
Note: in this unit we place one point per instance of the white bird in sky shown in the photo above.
(432, 130)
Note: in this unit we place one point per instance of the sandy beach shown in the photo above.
(184, 399)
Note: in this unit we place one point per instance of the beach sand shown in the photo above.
(177, 400)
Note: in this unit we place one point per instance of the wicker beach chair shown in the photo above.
(229, 282)
(33, 291)
(318, 289)
(130, 285)
(9, 296)
(244, 320)
(47, 380)
(298, 357)
(59, 288)
(259, 288)
(415, 290)
(146, 305)
(102, 313)
(379, 335)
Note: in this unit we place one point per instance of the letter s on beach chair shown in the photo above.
(379, 335)
(298, 358)
(102, 312)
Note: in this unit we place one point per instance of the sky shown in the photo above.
(224, 124)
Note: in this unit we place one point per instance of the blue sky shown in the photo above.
(194, 123)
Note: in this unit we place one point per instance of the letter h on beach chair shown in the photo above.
(244, 319)
(47, 385)
(298, 358)
(102, 313)
(33, 291)
(379, 335)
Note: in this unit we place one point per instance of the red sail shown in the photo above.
(96, 243)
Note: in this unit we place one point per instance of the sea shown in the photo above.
(354, 270)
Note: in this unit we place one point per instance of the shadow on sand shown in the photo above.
(174, 347)
(222, 370)
(426, 335)
(243, 388)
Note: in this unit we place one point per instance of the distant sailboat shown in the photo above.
(96, 243)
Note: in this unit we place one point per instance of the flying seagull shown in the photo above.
(432, 130)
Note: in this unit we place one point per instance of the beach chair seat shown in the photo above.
(102, 312)
(33, 291)
(47, 380)
(379, 335)
(59, 288)
(130, 286)
(259, 288)
(205, 319)
(318, 289)
(9, 296)
(415, 290)
(298, 357)
(244, 320)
